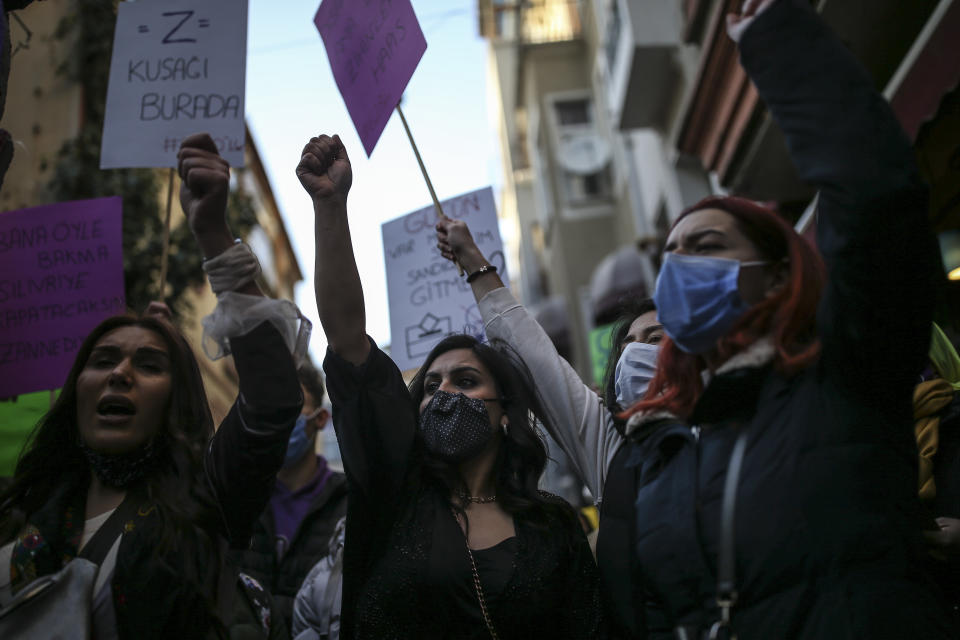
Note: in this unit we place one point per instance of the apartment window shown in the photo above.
(582, 153)
(573, 112)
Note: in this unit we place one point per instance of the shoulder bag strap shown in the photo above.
(726, 561)
(99, 545)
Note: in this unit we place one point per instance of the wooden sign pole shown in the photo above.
(433, 194)
(164, 258)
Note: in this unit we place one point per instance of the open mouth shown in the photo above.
(115, 407)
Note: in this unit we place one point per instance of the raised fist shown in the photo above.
(205, 183)
(324, 169)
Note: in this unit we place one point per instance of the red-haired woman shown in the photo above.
(791, 510)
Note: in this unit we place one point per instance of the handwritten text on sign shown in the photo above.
(61, 273)
(178, 68)
(428, 300)
(374, 47)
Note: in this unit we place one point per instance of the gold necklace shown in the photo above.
(466, 497)
(476, 576)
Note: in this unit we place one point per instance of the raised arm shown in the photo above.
(242, 460)
(576, 417)
(874, 319)
(204, 188)
(372, 412)
(326, 175)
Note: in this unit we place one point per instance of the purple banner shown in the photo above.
(61, 273)
(374, 47)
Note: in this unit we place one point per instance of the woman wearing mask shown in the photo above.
(128, 449)
(585, 426)
(447, 534)
(794, 513)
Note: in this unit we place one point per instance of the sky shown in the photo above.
(291, 96)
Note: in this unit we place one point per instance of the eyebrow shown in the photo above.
(436, 374)
(693, 237)
(651, 329)
(149, 351)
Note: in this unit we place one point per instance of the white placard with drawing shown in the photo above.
(428, 300)
(178, 68)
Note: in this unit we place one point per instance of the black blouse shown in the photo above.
(406, 569)
(449, 574)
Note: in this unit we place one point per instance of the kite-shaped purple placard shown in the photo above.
(374, 47)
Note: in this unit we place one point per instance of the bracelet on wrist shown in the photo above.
(487, 268)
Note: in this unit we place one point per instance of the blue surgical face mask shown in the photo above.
(634, 371)
(698, 299)
(299, 442)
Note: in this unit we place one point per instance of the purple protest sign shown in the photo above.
(374, 47)
(61, 273)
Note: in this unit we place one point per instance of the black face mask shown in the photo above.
(455, 427)
(122, 470)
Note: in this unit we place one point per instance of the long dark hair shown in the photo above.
(629, 309)
(788, 316)
(176, 485)
(523, 453)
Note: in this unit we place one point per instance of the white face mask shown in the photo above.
(634, 371)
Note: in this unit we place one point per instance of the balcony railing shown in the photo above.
(530, 21)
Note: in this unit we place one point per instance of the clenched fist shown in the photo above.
(324, 169)
(205, 184)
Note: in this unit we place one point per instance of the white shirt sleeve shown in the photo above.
(579, 421)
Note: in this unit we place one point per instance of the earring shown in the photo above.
(504, 423)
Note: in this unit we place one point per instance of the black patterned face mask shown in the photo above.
(121, 471)
(455, 427)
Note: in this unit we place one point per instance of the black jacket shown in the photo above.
(393, 522)
(827, 540)
(311, 542)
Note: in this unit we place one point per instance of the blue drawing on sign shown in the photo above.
(422, 337)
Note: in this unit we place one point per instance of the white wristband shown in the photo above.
(234, 268)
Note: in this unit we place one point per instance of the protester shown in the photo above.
(447, 534)
(585, 426)
(634, 342)
(293, 533)
(806, 414)
(127, 459)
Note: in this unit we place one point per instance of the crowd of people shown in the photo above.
(775, 449)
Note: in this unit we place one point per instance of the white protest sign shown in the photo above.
(178, 68)
(428, 300)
